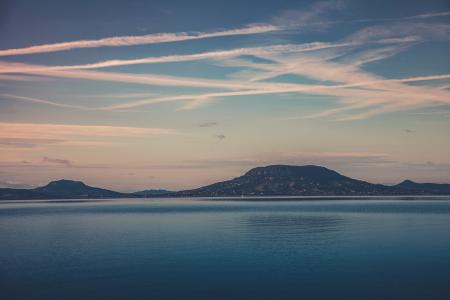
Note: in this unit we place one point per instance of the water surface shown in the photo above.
(203, 249)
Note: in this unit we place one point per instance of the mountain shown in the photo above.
(278, 180)
(21, 194)
(75, 189)
(152, 193)
(60, 189)
(414, 188)
(275, 180)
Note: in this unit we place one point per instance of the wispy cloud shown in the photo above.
(40, 101)
(360, 93)
(423, 31)
(18, 138)
(220, 136)
(430, 15)
(372, 90)
(122, 95)
(148, 79)
(58, 161)
(310, 66)
(15, 185)
(26, 143)
(285, 20)
(138, 40)
(19, 78)
(6, 67)
(208, 124)
(310, 18)
(65, 131)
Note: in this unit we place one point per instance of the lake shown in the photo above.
(377, 248)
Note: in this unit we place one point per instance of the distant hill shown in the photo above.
(414, 188)
(21, 194)
(275, 180)
(69, 189)
(75, 189)
(60, 189)
(278, 180)
(152, 193)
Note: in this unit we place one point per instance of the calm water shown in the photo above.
(198, 249)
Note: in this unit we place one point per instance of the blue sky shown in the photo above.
(177, 94)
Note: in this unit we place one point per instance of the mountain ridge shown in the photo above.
(287, 180)
(272, 180)
(76, 189)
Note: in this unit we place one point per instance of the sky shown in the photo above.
(133, 95)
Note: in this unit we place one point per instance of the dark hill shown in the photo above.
(414, 188)
(75, 189)
(286, 180)
(21, 194)
(276, 180)
(152, 193)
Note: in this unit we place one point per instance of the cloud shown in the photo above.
(358, 89)
(423, 31)
(138, 40)
(57, 161)
(34, 144)
(377, 54)
(360, 94)
(216, 55)
(311, 18)
(294, 158)
(26, 143)
(355, 93)
(6, 67)
(430, 15)
(78, 72)
(40, 101)
(220, 136)
(69, 132)
(306, 19)
(16, 143)
(15, 185)
(335, 158)
(208, 124)
(122, 95)
(280, 23)
(19, 78)
(219, 54)
(21, 137)
(434, 113)
(148, 79)
(163, 59)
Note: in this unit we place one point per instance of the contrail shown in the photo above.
(138, 40)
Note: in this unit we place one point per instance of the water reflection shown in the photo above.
(186, 249)
(286, 226)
